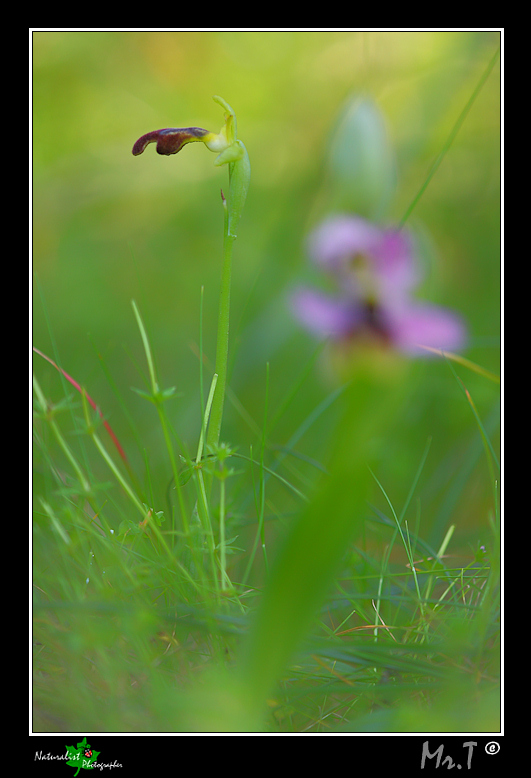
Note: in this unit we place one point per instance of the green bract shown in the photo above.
(235, 155)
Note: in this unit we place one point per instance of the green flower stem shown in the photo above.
(222, 345)
(239, 176)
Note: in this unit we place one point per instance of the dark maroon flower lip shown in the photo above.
(170, 140)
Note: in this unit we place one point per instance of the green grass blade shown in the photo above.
(457, 126)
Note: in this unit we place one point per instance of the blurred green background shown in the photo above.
(109, 227)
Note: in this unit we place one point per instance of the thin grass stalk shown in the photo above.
(159, 404)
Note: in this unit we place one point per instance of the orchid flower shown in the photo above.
(376, 272)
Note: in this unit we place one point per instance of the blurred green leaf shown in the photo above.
(361, 162)
(314, 546)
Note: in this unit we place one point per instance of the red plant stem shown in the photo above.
(90, 400)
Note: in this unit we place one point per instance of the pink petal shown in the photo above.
(341, 237)
(427, 325)
(324, 315)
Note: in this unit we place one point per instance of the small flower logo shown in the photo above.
(82, 756)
